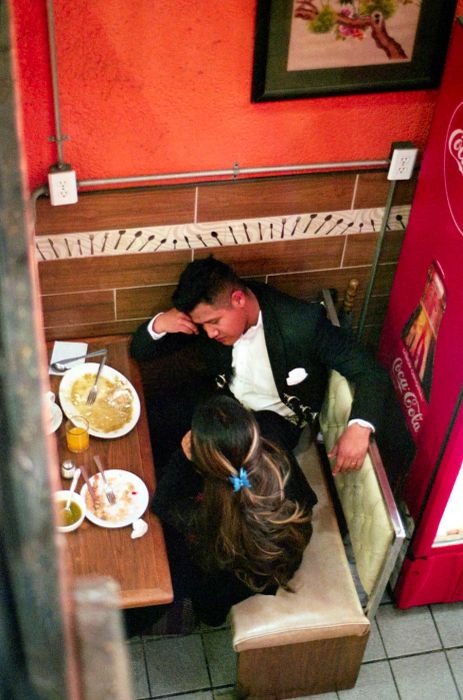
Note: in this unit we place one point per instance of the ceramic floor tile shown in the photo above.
(449, 622)
(375, 681)
(375, 649)
(207, 628)
(202, 695)
(134, 639)
(220, 657)
(136, 656)
(387, 597)
(324, 696)
(176, 665)
(407, 631)
(225, 694)
(424, 677)
(455, 658)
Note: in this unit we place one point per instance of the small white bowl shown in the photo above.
(78, 501)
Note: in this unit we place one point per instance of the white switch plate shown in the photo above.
(63, 187)
(402, 163)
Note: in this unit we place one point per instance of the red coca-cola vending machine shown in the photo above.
(422, 346)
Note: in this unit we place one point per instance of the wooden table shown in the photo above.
(140, 566)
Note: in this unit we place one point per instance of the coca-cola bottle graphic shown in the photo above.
(422, 328)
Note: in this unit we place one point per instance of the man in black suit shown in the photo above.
(271, 351)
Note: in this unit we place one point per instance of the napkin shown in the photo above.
(140, 528)
(62, 350)
(296, 376)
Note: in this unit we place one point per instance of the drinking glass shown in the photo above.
(77, 438)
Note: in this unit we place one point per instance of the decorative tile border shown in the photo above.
(216, 234)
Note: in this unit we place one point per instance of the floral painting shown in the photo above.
(331, 34)
(307, 48)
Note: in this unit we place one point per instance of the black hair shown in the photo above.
(204, 281)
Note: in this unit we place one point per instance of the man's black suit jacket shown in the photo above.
(298, 335)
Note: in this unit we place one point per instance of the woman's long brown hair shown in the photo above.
(257, 532)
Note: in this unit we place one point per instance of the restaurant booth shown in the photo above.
(90, 273)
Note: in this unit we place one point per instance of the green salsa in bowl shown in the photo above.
(69, 520)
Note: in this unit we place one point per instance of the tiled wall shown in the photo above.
(100, 274)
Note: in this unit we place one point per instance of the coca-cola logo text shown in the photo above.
(453, 166)
(455, 144)
(409, 398)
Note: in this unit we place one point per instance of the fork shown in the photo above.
(109, 493)
(94, 390)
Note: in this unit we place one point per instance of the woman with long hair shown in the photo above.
(236, 510)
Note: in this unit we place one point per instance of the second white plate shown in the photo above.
(131, 499)
(56, 418)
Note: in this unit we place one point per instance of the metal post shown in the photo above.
(374, 265)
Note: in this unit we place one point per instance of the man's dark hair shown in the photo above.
(203, 281)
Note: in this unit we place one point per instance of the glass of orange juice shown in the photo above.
(77, 439)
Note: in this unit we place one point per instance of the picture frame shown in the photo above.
(314, 48)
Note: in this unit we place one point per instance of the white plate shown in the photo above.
(109, 373)
(125, 511)
(56, 418)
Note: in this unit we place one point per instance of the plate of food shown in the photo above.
(131, 499)
(117, 406)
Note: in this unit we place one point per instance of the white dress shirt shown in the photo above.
(252, 381)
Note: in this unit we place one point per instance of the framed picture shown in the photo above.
(309, 48)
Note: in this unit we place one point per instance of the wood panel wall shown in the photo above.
(100, 295)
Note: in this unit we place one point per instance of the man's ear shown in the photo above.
(238, 298)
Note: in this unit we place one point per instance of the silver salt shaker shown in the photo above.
(67, 469)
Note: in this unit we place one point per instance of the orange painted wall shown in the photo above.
(153, 87)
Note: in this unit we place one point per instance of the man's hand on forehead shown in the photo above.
(174, 321)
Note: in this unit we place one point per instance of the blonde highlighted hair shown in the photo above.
(257, 531)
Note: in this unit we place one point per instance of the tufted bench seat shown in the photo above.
(312, 641)
(375, 527)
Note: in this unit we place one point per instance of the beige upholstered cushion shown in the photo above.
(325, 603)
(369, 526)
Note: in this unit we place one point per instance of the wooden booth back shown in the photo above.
(112, 260)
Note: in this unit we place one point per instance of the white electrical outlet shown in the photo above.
(62, 185)
(402, 163)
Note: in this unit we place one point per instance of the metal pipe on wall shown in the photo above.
(234, 172)
(58, 138)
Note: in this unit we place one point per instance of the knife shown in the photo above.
(91, 490)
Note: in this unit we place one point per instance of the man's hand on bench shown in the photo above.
(351, 449)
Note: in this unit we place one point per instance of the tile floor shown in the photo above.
(414, 654)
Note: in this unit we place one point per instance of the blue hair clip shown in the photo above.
(240, 481)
